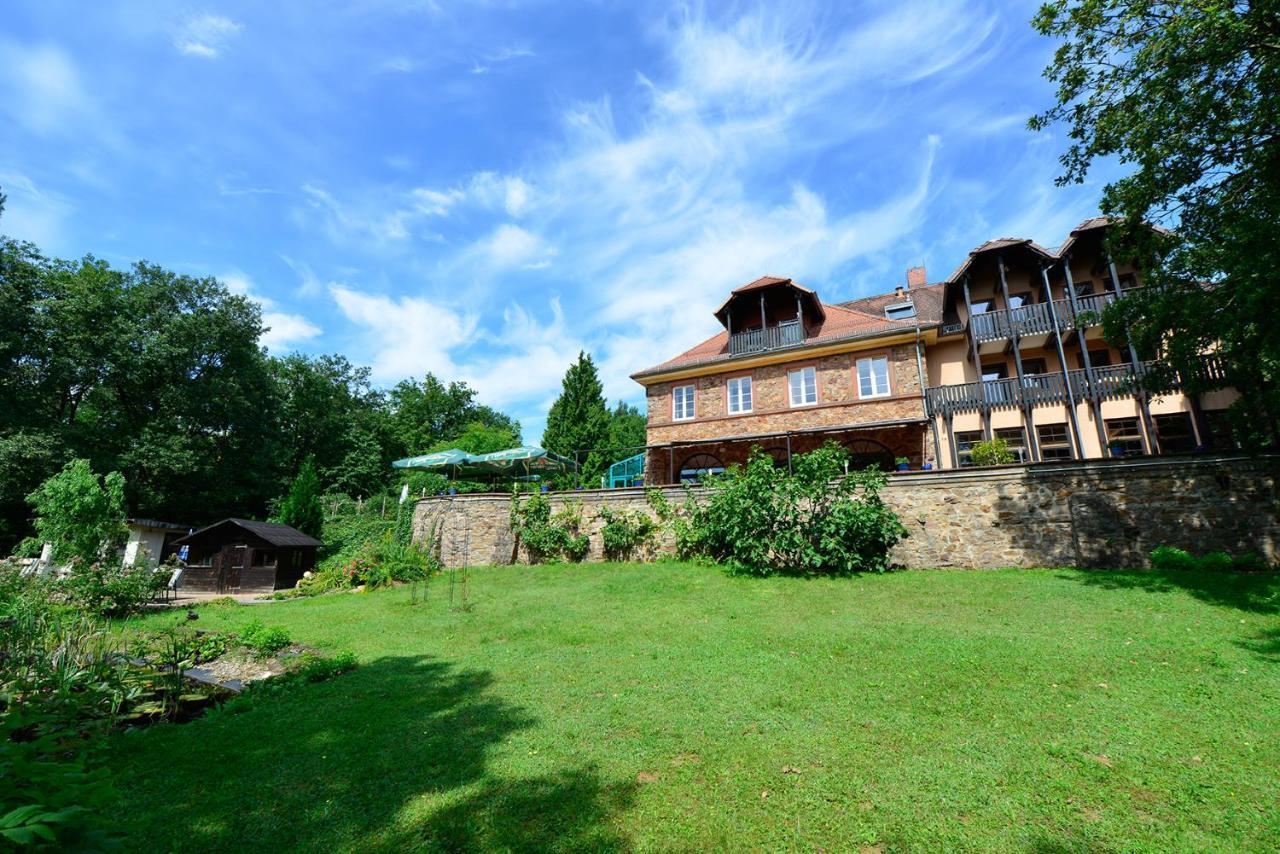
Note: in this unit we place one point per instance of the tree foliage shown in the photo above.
(578, 423)
(80, 513)
(1187, 95)
(301, 508)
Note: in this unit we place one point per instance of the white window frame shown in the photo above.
(690, 411)
(732, 400)
(807, 372)
(875, 392)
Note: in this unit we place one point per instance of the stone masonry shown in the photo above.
(1106, 514)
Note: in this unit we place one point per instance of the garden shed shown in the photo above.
(243, 556)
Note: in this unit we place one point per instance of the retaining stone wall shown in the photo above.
(1091, 514)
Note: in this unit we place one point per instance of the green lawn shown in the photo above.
(668, 707)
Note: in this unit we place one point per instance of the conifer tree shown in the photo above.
(301, 508)
(578, 423)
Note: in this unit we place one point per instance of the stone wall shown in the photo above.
(1108, 513)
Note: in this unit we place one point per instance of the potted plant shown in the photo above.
(903, 463)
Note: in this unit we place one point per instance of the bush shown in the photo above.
(763, 520)
(1172, 559)
(625, 532)
(263, 641)
(1250, 562)
(992, 452)
(111, 590)
(1216, 561)
(547, 536)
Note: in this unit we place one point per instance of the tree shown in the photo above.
(1188, 95)
(80, 513)
(301, 508)
(578, 423)
(424, 415)
(626, 431)
(481, 438)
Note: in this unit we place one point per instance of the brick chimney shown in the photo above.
(916, 277)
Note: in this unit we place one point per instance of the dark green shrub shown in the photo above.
(263, 641)
(991, 452)
(1216, 561)
(625, 532)
(762, 519)
(1250, 562)
(1172, 559)
(111, 590)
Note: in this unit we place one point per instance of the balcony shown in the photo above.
(1034, 322)
(786, 334)
(1108, 382)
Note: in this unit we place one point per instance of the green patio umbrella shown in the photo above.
(523, 461)
(451, 459)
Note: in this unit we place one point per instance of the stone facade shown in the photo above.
(1089, 514)
(838, 402)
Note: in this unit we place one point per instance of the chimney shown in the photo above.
(916, 277)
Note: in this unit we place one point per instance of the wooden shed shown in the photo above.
(243, 556)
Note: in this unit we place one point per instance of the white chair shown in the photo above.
(175, 581)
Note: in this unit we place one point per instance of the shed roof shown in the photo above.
(273, 532)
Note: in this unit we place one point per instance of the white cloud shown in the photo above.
(284, 330)
(206, 35)
(41, 88)
(33, 213)
(408, 336)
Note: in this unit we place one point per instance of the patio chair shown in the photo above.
(175, 581)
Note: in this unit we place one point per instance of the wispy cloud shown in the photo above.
(285, 330)
(33, 213)
(205, 35)
(41, 87)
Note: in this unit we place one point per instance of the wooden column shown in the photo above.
(1144, 400)
(1072, 418)
(985, 411)
(1094, 399)
(1028, 420)
(951, 443)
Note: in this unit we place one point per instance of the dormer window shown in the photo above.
(900, 311)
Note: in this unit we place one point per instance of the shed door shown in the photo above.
(233, 558)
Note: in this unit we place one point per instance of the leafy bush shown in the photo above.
(625, 532)
(763, 520)
(81, 513)
(991, 452)
(180, 641)
(111, 590)
(547, 536)
(263, 641)
(1172, 559)
(1216, 561)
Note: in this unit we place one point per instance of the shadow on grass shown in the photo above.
(350, 764)
(1258, 593)
(1266, 645)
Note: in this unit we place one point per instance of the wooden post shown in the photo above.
(1028, 419)
(1094, 399)
(1062, 363)
(985, 410)
(1144, 402)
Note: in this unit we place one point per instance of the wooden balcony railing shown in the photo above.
(1035, 319)
(1107, 382)
(786, 334)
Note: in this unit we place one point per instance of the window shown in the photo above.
(739, 395)
(695, 468)
(1033, 366)
(991, 373)
(803, 386)
(1055, 444)
(995, 392)
(1175, 433)
(1123, 435)
(1084, 289)
(981, 306)
(964, 446)
(1019, 300)
(682, 403)
(901, 311)
(873, 377)
(1100, 358)
(1016, 439)
(264, 558)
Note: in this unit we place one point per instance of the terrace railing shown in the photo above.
(1035, 319)
(785, 334)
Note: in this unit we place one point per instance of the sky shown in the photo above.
(482, 189)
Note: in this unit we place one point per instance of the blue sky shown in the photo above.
(481, 189)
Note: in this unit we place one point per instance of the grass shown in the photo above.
(668, 707)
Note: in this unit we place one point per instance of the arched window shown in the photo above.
(698, 466)
(864, 453)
